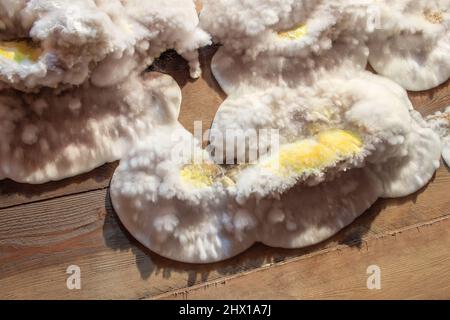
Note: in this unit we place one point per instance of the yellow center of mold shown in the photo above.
(341, 141)
(19, 51)
(294, 34)
(325, 149)
(200, 175)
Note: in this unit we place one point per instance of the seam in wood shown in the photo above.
(54, 198)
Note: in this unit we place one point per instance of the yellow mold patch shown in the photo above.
(340, 141)
(317, 153)
(294, 34)
(304, 155)
(200, 175)
(19, 51)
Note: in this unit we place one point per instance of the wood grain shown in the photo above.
(409, 270)
(44, 229)
(38, 246)
(431, 101)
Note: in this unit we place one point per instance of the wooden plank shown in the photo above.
(431, 101)
(409, 269)
(38, 241)
(201, 98)
(13, 193)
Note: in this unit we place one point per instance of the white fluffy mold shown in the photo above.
(412, 43)
(364, 121)
(48, 137)
(307, 215)
(58, 43)
(268, 43)
(178, 208)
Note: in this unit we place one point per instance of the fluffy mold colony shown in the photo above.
(73, 95)
(364, 120)
(412, 43)
(180, 210)
(48, 137)
(268, 43)
(339, 152)
(57, 43)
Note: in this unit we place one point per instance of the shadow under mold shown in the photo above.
(171, 63)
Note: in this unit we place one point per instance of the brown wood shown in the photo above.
(409, 269)
(45, 229)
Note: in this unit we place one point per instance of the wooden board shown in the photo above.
(45, 229)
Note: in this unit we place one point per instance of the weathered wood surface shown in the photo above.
(409, 269)
(45, 229)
